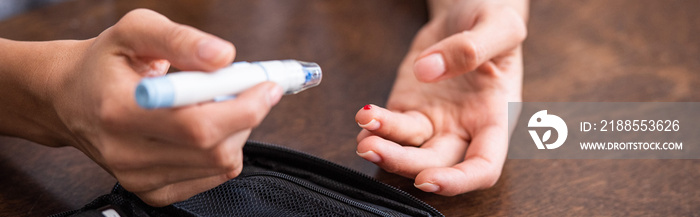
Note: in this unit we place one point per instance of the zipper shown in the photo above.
(320, 190)
(303, 155)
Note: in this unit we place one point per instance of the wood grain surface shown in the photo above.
(597, 50)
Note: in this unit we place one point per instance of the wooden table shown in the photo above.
(596, 50)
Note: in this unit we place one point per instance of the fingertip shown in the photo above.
(370, 156)
(382, 148)
(427, 187)
(251, 107)
(275, 93)
(458, 179)
(406, 128)
(373, 124)
(444, 181)
(266, 93)
(391, 156)
(215, 51)
(368, 144)
(455, 55)
(429, 68)
(366, 117)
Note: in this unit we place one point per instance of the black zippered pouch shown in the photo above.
(276, 181)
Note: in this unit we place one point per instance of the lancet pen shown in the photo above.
(185, 88)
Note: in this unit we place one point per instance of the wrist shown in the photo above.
(438, 7)
(30, 75)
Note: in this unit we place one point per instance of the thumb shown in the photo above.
(149, 35)
(497, 30)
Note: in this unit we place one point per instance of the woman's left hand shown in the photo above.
(446, 121)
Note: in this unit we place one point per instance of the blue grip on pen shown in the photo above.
(157, 92)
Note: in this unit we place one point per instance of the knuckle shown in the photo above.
(468, 53)
(394, 168)
(128, 183)
(156, 199)
(135, 184)
(134, 17)
(520, 31)
(177, 36)
(516, 24)
(137, 13)
(137, 17)
(200, 132)
(252, 116)
(111, 115)
(416, 140)
(234, 173)
(226, 159)
(116, 162)
(490, 178)
(129, 18)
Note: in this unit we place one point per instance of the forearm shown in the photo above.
(439, 6)
(29, 75)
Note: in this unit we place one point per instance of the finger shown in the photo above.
(496, 31)
(363, 134)
(206, 124)
(214, 121)
(481, 168)
(153, 36)
(182, 190)
(152, 178)
(144, 153)
(408, 128)
(198, 126)
(408, 161)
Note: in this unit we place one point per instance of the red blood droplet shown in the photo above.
(367, 107)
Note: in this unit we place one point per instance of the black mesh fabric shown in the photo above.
(277, 182)
(266, 196)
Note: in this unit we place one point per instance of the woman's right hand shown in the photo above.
(163, 155)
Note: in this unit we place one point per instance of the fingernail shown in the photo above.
(212, 49)
(427, 187)
(372, 125)
(430, 67)
(370, 156)
(275, 95)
